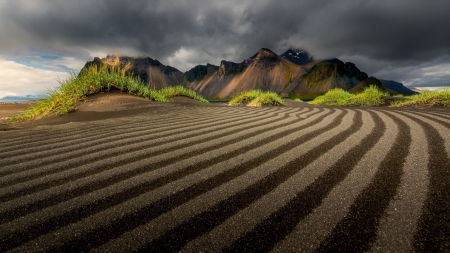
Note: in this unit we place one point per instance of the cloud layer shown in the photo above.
(398, 40)
(21, 80)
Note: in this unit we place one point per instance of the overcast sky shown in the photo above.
(41, 40)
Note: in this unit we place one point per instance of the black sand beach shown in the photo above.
(123, 173)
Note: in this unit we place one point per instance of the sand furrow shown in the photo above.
(211, 177)
(41, 199)
(443, 127)
(78, 143)
(433, 232)
(68, 170)
(230, 179)
(436, 119)
(396, 229)
(368, 191)
(74, 128)
(108, 147)
(245, 220)
(445, 115)
(310, 231)
(20, 137)
(137, 181)
(308, 196)
(179, 188)
(94, 136)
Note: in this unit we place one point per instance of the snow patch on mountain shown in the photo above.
(297, 56)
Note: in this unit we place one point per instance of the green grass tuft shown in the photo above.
(427, 98)
(63, 99)
(256, 98)
(174, 91)
(298, 100)
(332, 97)
(371, 96)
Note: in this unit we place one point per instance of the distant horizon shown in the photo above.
(22, 98)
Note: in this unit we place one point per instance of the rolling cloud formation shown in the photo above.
(402, 40)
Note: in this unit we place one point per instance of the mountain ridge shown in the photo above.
(21, 98)
(397, 87)
(294, 72)
(264, 70)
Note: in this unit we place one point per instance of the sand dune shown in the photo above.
(124, 173)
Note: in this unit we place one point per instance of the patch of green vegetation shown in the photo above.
(179, 90)
(256, 98)
(371, 96)
(298, 100)
(427, 98)
(332, 97)
(64, 98)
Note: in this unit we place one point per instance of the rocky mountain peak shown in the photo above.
(297, 56)
(333, 60)
(264, 58)
(199, 72)
(342, 69)
(266, 52)
(231, 68)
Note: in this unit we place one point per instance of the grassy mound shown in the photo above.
(427, 98)
(371, 96)
(256, 98)
(64, 99)
(174, 91)
(332, 97)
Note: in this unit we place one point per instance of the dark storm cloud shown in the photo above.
(392, 30)
(401, 34)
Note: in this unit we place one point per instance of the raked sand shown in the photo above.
(123, 173)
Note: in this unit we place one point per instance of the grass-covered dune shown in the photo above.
(256, 98)
(76, 88)
(438, 98)
(372, 96)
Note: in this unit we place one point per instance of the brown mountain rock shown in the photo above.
(265, 70)
(294, 72)
(150, 71)
(327, 75)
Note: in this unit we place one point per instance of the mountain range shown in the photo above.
(294, 72)
(22, 98)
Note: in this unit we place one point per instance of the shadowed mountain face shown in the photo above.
(397, 87)
(327, 75)
(297, 56)
(150, 71)
(372, 81)
(199, 72)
